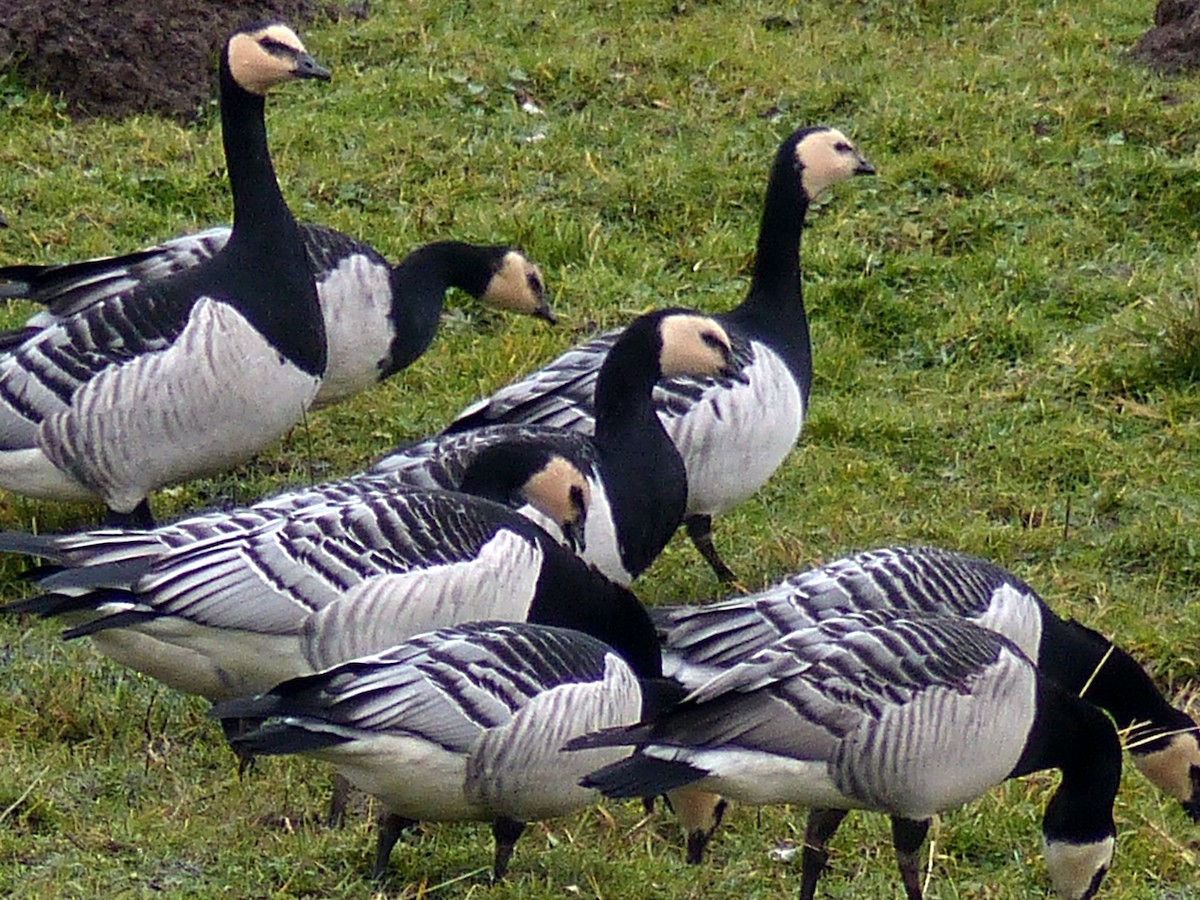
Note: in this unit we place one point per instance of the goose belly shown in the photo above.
(759, 778)
(32, 473)
(736, 435)
(210, 401)
(414, 778)
(215, 663)
(355, 299)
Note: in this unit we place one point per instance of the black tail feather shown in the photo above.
(40, 545)
(642, 776)
(126, 619)
(49, 605)
(282, 737)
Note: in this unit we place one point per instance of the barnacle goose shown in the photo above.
(902, 714)
(700, 642)
(637, 482)
(204, 369)
(378, 318)
(264, 598)
(733, 432)
(460, 724)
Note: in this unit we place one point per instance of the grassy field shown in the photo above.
(1006, 329)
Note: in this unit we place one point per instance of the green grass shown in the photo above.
(1005, 326)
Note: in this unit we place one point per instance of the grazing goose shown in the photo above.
(701, 642)
(637, 482)
(900, 714)
(266, 598)
(460, 724)
(378, 318)
(202, 370)
(732, 432)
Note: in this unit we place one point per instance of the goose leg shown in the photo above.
(822, 823)
(699, 529)
(505, 831)
(907, 837)
(232, 729)
(338, 801)
(390, 827)
(138, 517)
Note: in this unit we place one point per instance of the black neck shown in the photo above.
(773, 310)
(1074, 736)
(419, 285)
(263, 268)
(1075, 656)
(644, 474)
(775, 284)
(572, 594)
(258, 204)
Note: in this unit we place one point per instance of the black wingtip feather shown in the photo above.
(641, 776)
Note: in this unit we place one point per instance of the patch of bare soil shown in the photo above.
(120, 57)
(1173, 44)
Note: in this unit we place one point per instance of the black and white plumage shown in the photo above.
(636, 478)
(266, 598)
(378, 318)
(733, 432)
(461, 724)
(901, 714)
(699, 642)
(202, 370)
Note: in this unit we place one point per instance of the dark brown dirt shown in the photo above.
(120, 57)
(1173, 44)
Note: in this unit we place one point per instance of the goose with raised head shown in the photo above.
(900, 714)
(204, 369)
(466, 723)
(636, 478)
(378, 318)
(699, 642)
(734, 431)
(263, 598)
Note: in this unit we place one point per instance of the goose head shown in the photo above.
(1175, 769)
(823, 157)
(1076, 869)
(263, 56)
(692, 344)
(517, 285)
(560, 492)
(519, 474)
